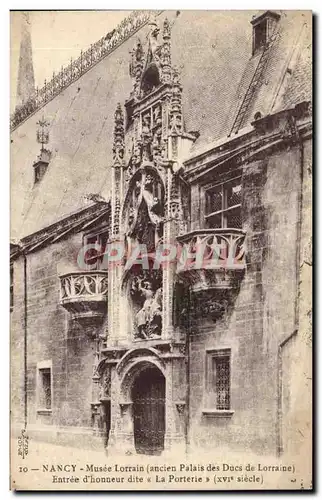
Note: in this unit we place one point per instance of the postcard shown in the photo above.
(160, 251)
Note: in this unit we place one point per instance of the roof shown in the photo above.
(213, 52)
(289, 38)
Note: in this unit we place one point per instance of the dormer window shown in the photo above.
(260, 35)
(264, 26)
(40, 166)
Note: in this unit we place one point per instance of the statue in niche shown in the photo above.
(145, 211)
(154, 46)
(149, 316)
(105, 385)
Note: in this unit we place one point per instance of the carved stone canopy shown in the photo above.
(151, 65)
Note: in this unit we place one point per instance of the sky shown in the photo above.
(56, 37)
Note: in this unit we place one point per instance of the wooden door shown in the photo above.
(148, 395)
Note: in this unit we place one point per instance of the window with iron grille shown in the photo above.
(44, 388)
(219, 378)
(223, 205)
(94, 257)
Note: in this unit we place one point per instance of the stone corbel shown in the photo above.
(125, 405)
(180, 405)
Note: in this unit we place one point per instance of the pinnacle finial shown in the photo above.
(42, 132)
(166, 29)
(118, 146)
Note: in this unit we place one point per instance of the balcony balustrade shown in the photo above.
(211, 258)
(84, 293)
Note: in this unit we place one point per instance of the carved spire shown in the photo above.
(136, 66)
(118, 146)
(118, 157)
(166, 52)
(26, 78)
(176, 125)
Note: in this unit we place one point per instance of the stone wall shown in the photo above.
(51, 335)
(262, 315)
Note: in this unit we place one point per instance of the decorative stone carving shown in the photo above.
(157, 141)
(118, 157)
(144, 209)
(208, 305)
(118, 144)
(105, 385)
(166, 52)
(211, 249)
(151, 67)
(84, 293)
(136, 67)
(176, 106)
(96, 417)
(154, 48)
(181, 407)
(146, 290)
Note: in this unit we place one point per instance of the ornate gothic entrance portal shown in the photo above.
(148, 395)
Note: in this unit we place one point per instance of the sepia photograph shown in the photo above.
(161, 250)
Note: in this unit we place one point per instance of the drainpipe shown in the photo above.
(280, 446)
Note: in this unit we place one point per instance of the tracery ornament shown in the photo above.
(82, 284)
(177, 204)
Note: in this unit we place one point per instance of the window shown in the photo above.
(223, 205)
(41, 165)
(260, 35)
(264, 25)
(44, 386)
(218, 379)
(11, 287)
(94, 258)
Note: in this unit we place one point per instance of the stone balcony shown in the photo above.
(211, 259)
(84, 293)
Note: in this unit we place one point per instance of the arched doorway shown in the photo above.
(148, 396)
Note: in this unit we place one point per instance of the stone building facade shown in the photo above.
(160, 255)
